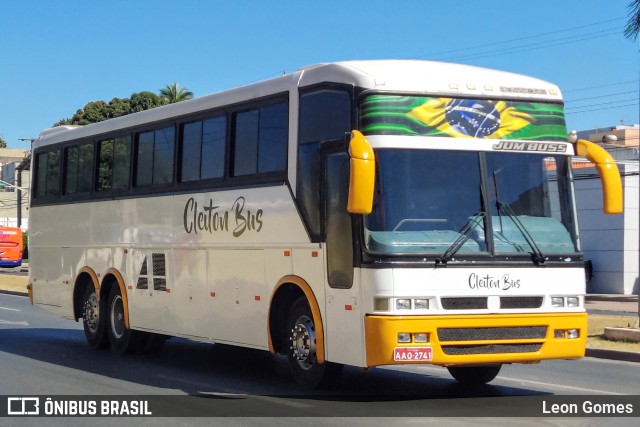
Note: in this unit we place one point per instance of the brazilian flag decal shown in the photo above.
(462, 118)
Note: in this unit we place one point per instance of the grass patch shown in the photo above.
(595, 334)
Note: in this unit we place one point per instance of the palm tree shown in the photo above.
(171, 94)
(633, 25)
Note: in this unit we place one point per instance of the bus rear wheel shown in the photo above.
(303, 361)
(474, 375)
(121, 338)
(94, 319)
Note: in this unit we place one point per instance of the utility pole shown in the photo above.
(22, 166)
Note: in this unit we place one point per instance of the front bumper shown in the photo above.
(477, 339)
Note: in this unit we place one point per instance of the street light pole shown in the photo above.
(19, 186)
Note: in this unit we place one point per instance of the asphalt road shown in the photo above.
(41, 354)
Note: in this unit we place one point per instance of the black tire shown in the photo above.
(94, 318)
(474, 375)
(303, 362)
(122, 339)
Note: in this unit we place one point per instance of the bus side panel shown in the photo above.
(150, 305)
(47, 279)
(345, 307)
(189, 292)
(239, 297)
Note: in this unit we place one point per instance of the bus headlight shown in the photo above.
(421, 304)
(421, 337)
(404, 337)
(557, 302)
(403, 304)
(573, 334)
(573, 302)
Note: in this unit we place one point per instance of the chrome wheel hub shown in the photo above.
(91, 313)
(303, 342)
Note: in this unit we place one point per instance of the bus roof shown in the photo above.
(400, 76)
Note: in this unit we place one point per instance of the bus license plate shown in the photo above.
(412, 354)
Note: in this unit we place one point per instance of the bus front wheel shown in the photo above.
(474, 374)
(94, 319)
(303, 362)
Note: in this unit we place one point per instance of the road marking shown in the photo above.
(10, 309)
(568, 387)
(9, 322)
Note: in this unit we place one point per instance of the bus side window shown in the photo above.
(325, 115)
(203, 149)
(48, 174)
(154, 161)
(260, 140)
(78, 168)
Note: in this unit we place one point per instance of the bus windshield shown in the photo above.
(428, 200)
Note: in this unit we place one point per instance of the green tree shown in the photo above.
(143, 101)
(3, 143)
(172, 94)
(97, 111)
(633, 24)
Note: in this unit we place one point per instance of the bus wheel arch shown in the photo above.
(296, 329)
(288, 290)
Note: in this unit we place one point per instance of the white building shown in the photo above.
(611, 241)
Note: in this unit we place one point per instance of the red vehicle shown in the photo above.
(11, 247)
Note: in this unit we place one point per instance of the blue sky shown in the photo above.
(55, 56)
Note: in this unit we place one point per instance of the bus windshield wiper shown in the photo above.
(464, 235)
(536, 254)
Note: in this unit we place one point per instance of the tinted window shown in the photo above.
(154, 164)
(272, 145)
(114, 160)
(191, 151)
(121, 163)
(78, 168)
(246, 143)
(260, 143)
(48, 174)
(144, 159)
(324, 116)
(214, 132)
(163, 156)
(41, 174)
(203, 149)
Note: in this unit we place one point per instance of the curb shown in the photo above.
(601, 353)
(14, 293)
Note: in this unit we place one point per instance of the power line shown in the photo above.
(604, 108)
(541, 45)
(606, 95)
(436, 54)
(602, 103)
(600, 86)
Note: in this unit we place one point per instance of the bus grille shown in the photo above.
(479, 334)
(468, 303)
(456, 350)
(520, 302)
(480, 303)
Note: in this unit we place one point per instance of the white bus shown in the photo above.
(363, 213)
